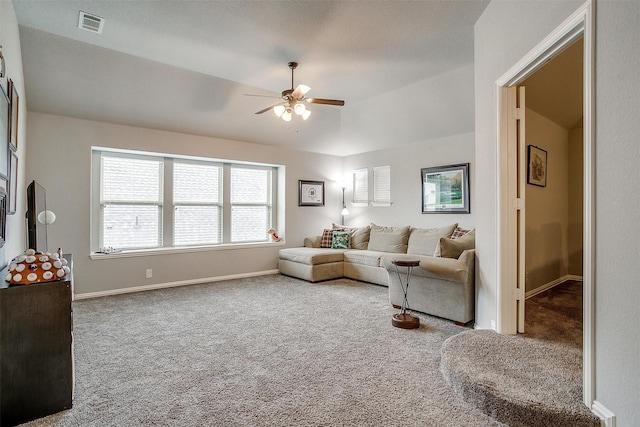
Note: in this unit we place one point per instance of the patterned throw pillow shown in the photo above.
(341, 240)
(459, 232)
(327, 237)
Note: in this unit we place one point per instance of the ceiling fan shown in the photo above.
(293, 101)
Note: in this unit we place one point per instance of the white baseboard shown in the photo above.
(608, 418)
(171, 284)
(551, 284)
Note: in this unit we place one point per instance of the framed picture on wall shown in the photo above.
(14, 101)
(310, 193)
(445, 189)
(4, 134)
(537, 166)
(13, 183)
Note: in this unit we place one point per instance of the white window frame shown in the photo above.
(276, 172)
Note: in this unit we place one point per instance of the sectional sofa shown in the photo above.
(443, 285)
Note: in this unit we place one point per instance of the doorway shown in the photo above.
(511, 206)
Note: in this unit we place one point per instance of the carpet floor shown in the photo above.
(264, 351)
(533, 379)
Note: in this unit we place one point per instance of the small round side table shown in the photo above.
(403, 319)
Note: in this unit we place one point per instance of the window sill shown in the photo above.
(174, 250)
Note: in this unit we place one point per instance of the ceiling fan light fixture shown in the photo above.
(279, 110)
(306, 114)
(299, 109)
(286, 116)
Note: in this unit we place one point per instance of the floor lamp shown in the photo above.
(344, 210)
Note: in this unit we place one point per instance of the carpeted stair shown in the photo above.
(511, 378)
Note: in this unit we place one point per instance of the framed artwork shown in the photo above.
(4, 134)
(14, 101)
(445, 189)
(537, 166)
(13, 183)
(3, 211)
(310, 193)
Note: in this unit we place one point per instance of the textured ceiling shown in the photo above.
(185, 65)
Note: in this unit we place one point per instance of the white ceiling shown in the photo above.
(404, 68)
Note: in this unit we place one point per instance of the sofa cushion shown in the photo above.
(424, 241)
(389, 239)
(364, 257)
(453, 248)
(341, 240)
(312, 256)
(359, 235)
(452, 270)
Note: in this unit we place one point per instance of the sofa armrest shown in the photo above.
(312, 242)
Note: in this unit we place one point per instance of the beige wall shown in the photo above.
(406, 187)
(60, 159)
(10, 42)
(547, 208)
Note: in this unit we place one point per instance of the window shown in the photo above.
(130, 202)
(382, 186)
(197, 204)
(250, 203)
(360, 186)
(152, 201)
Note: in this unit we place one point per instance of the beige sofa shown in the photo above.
(442, 286)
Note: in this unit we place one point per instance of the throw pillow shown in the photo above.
(424, 241)
(453, 248)
(389, 239)
(327, 237)
(459, 232)
(340, 240)
(359, 235)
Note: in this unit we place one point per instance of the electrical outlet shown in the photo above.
(149, 273)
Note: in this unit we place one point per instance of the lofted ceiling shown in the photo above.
(404, 68)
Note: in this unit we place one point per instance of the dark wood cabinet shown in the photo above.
(36, 353)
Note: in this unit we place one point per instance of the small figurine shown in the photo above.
(274, 236)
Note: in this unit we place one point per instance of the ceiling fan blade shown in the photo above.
(300, 91)
(269, 108)
(338, 102)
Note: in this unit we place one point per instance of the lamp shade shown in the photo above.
(46, 217)
(344, 211)
(278, 110)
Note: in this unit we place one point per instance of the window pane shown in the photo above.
(250, 185)
(249, 223)
(197, 225)
(128, 180)
(131, 226)
(196, 183)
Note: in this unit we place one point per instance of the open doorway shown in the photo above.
(553, 249)
(511, 207)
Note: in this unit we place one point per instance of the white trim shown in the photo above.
(553, 283)
(580, 23)
(172, 284)
(608, 418)
(175, 250)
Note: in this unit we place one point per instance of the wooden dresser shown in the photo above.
(36, 349)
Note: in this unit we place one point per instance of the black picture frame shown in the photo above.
(445, 189)
(536, 166)
(310, 193)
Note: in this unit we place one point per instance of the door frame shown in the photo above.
(579, 24)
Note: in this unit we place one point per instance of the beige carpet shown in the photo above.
(266, 351)
(533, 379)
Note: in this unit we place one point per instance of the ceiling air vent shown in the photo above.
(90, 22)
